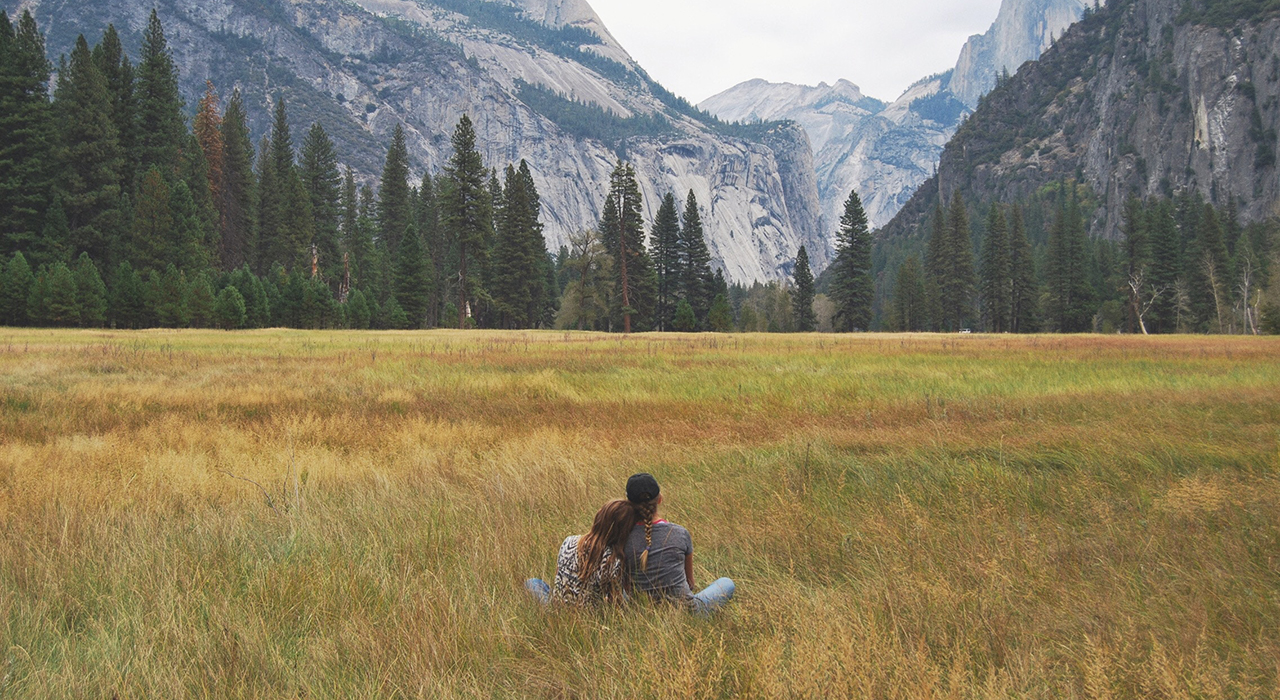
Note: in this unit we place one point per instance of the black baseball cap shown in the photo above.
(642, 488)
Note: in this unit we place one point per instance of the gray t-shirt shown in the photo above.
(664, 578)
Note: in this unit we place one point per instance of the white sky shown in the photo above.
(698, 48)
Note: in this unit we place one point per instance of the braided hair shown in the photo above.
(644, 514)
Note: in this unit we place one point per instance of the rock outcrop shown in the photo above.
(1142, 98)
(886, 151)
(1023, 30)
(530, 73)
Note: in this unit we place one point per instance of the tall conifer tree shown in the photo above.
(957, 285)
(236, 203)
(806, 320)
(695, 262)
(119, 73)
(1070, 295)
(852, 288)
(395, 208)
(1023, 295)
(1166, 267)
(26, 140)
(323, 181)
(466, 209)
(622, 232)
(162, 130)
(909, 310)
(666, 258)
(997, 273)
(90, 160)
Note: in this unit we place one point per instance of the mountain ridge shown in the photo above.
(886, 154)
(360, 67)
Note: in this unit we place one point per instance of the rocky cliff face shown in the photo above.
(530, 73)
(1141, 98)
(859, 143)
(886, 151)
(1023, 30)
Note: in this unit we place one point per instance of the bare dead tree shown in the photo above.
(1142, 304)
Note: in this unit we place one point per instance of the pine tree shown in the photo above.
(909, 311)
(997, 273)
(150, 244)
(189, 242)
(162, 130)
(251, 289)
(268, 209)
(1207, 273)
(695, 261)
(169, 297)
(1070, 296)
(937, 265)
(61, 308)
(201, 301)
(395, 209)
(286, 230)
(38, 298)
(358, 315)
(435, 246)
(26, 141)
(1023, 294)
(229, 309)
(90, 162)
(622, 232)
(114, 64)
(666, 258)
(324, 186)
(236, 203)
(466, 209)
(128, 298)
(852, 288)
(207, 130)
(720, 319)
(686, 321)
(806, 319)
(413, 279)
(15, 287)
(957, 287)
(91, 293)
(518, 279)
(54, 244)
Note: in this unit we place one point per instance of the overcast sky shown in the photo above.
(698, 48)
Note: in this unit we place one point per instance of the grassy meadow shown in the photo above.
(351, 515)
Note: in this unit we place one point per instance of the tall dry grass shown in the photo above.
(906, 516)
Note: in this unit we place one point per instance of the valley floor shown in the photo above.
(325, 515)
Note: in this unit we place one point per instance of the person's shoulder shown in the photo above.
(676, 529)
(570, 542)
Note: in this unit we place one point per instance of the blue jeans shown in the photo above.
(713, 597)
(539, 590)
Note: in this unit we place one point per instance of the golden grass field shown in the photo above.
(905, 516)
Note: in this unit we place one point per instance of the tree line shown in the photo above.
(1181, 266)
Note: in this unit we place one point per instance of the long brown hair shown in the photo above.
(644, 513)
(612, 525)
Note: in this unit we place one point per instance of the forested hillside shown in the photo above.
(1174, 105)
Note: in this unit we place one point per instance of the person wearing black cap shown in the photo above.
(659, 554)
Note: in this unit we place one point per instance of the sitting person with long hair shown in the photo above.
(659, 554)
(589, 568)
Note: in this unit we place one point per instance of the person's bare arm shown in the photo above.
(688, 570)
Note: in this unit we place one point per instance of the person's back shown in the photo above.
(570, 585)
(669, 547)
(659, 554)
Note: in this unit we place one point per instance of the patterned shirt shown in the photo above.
(571, 589)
